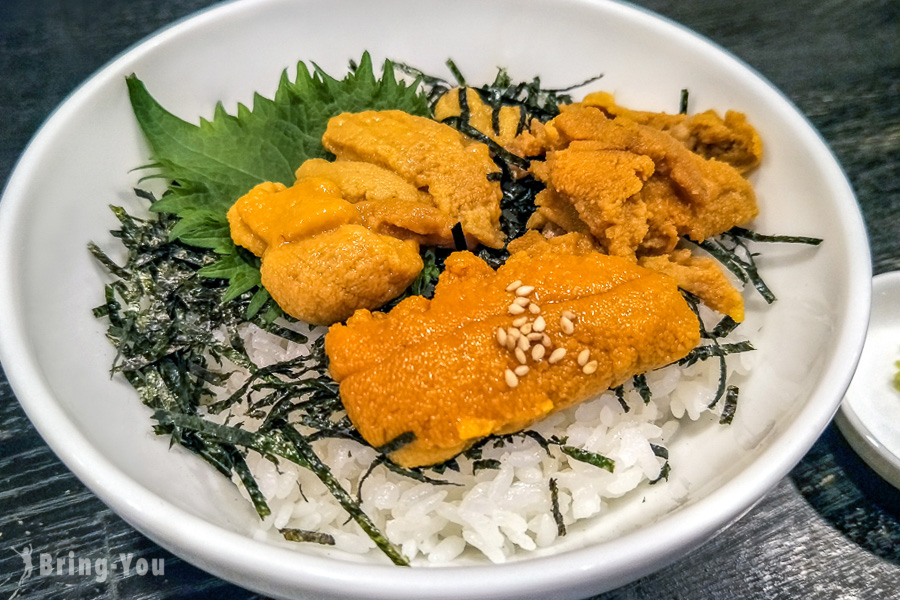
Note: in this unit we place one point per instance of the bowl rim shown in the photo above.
(272, 569)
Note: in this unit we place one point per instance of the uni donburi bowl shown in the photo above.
(57, 358)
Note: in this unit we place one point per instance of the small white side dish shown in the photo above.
(57, 358)
(870, 414)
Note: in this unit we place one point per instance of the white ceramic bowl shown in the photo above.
(57, 358)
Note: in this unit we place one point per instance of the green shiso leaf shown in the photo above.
(427, 278)
(212, 164)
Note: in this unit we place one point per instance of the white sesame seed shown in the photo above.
(534, 337)
(523, 302)
(520, 321)
(524, 290)
(513, 286)
(513, 333)
(515, 309)
(520, 356)
(590, 368)
(546, 340)
(510, 343)
(570, 315)
(566, 325)
(583, 357)
(556, 356)
(524, 343)
(539, 324)
(501, 336)
(534, 308)
(511, 379)
(525, 329)
(537, 352)
(522, 370)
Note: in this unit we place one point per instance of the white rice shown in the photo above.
(497, 512)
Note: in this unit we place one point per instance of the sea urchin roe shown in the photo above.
(271, 214)
(387, 203)
(686, 195)
(437, 368)
(602, 186)
(318, 262)
(326, 277)
(732, 140)
(361, 181)
(416, 221)
(435, 158)
(702, 277)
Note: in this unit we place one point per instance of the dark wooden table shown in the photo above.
(831, 530)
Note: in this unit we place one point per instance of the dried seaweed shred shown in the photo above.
(683, 103)
(732, 251)
(592, 458)
(714, 348)
(730, 406)
(303, 535)
(554, 508)
(663, 453)
(175, 337)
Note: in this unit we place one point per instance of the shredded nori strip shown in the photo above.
(415, 473)
(731, 250)
(683, 104)
(463, 126)
(592, 458)
(620, 396)
(554, 508)
(714, 348)
(322, 471)
(485, 463)
(165, 319)
(663, 473)
(243, 471)
(784, 239)
(640, 384)
(663, 453)
(454, 70)
(660, 451)
(459, 237)
(441, 468)
(302, 535)
(541, 440)
(730, 405)
(404, 439)
(724, 327)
